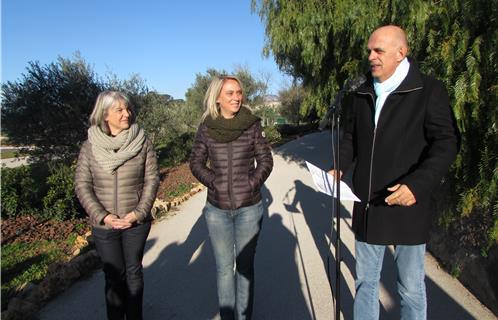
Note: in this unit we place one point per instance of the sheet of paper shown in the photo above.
(326, 183)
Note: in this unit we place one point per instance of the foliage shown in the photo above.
(49, 107)
(155, 117)
(21, 191)
(176, 151)
(272, 135)
(291, 99)
(60, 202)
(41, 189)
(322, 43)
(268, 114)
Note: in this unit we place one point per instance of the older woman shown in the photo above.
(231, 140)
(116, 182)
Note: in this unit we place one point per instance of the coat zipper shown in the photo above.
(116, 192)
(230, 185)
(371, 156)
(367, 207)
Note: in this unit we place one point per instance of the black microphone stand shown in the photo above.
(334, 121)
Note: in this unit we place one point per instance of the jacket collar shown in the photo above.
(413, 81)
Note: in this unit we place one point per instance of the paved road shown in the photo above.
(291, 262)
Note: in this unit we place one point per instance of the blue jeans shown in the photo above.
(234, 235)
(409, 261)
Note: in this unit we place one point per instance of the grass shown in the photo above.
(23, 263)
(181, 189)
(7, 154)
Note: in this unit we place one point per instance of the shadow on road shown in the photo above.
(278, 288)
(181, 282)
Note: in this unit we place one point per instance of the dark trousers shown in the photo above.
(121, 252)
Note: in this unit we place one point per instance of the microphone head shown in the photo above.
(354, 83)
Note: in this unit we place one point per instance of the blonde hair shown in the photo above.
(213, 93)
(105, 100)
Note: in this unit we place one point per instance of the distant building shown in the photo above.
(272, 101)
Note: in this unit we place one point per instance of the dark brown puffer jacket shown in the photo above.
(132, 187)
(232, 178)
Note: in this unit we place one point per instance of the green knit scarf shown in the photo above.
(226, 130)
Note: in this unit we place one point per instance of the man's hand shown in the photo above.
(401, 195)
(115, 222)
(333, 173)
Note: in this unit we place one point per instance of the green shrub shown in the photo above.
(61, 202)
(272, 135)
(20, 191)
(176, 150)
(292, 129)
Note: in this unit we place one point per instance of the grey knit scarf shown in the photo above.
(111, 152)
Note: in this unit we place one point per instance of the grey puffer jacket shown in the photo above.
(232, 179)
(132, 187)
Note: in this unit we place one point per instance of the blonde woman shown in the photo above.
(116, 182)
(230, 138)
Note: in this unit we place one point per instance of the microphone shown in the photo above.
(354, 83)
(351, 85)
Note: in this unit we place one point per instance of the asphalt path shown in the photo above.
(293, 256)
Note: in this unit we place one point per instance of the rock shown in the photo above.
(80, 242)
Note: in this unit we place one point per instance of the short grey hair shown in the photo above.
(213, 92)
(105, 100)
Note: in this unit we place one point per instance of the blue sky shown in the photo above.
(166, 42)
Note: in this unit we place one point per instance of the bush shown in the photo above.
(272, 135)
(20, 191)
(290, 129)
(60, 202)
(176, 150)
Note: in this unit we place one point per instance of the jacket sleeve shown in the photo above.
(151, 184)
(347, 151)
(264, 158)
(198, 160)
(442, 135)
(83, 182)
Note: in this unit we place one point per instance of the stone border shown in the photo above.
(61, 276)
(163, 209)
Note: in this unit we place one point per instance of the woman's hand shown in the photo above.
(131, 217)
(115, 222)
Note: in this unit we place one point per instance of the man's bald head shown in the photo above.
(395, 33)
(388, 47)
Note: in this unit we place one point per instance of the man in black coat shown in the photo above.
(403, 138)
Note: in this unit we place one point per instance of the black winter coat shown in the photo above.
(415, 142)
(232, 179)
